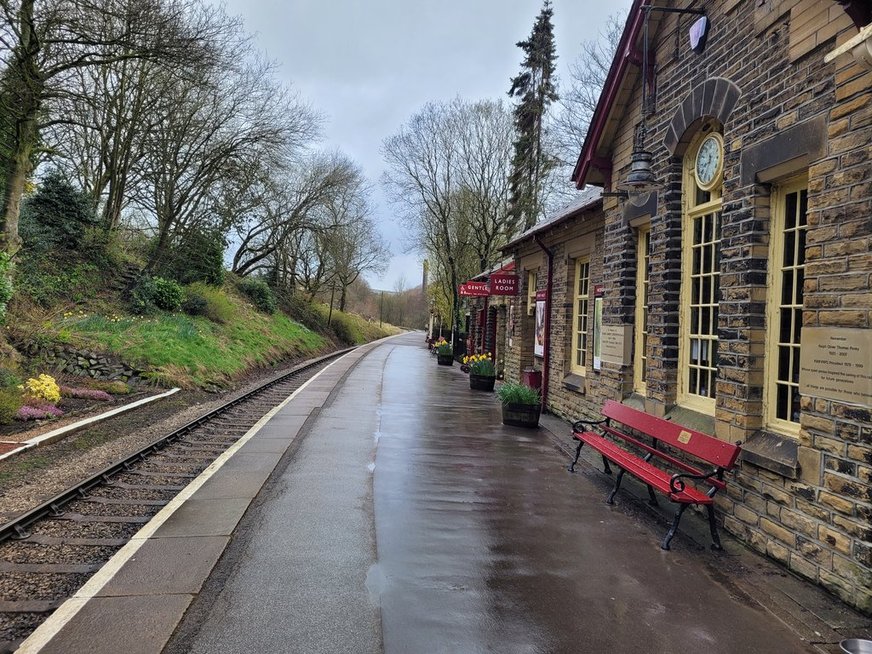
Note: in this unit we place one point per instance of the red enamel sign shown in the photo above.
(503, 284)
(474, 289)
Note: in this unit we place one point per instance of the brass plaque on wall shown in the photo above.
(836, 364)
(617, 343)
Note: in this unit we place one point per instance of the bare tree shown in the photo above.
(43, 41)
(355, 247)
(484, 147)
(220, 127)
(293, 201)
(447, 170)
(569, 125)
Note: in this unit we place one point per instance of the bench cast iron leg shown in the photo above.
(669, 534)
(716, 540)
(606, 468)
(577, 454)
(653, 498)
(614, 492)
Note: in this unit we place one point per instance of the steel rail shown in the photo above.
(17, 528)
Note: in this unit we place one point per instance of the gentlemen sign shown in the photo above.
(503, 284)
(474, 289)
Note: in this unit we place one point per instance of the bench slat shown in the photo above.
(696, 443)
(671, 460)
(648, 473)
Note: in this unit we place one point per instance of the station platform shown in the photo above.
(385, 508)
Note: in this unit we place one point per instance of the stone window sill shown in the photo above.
(575, 383)
(773, 452)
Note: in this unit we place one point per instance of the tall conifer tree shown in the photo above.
(535, 87)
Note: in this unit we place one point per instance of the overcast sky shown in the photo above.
(369, 66)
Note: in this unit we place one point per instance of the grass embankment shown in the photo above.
(197, 351)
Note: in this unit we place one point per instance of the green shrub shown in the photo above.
(156, 293)
(303, 311)
(8, 378)
(346, 330)
(51, 279)
(208, 301)
(513, 393)
(194, 304)
(102, 248)
(198, 257)
(56, 216)
(259, 293)
(10, 402)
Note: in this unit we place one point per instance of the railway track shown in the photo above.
(48, 553)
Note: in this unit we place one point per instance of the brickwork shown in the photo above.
(581, 236)
(814, 517)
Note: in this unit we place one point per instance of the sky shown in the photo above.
(370, 66)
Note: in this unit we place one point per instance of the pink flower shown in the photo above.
(38, 412)
(85, 394)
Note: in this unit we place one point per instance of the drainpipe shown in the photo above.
(484, 325)
(546, 360)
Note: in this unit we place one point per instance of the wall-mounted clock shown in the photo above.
(709, 165)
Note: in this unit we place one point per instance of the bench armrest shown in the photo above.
(676, 485)
(578, 425)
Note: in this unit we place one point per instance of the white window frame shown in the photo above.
(581, 320)
(689, 358)
(640, 355)
(775, 303)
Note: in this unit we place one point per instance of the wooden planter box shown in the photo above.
(481, 382)
(521, 415)
(445, 359)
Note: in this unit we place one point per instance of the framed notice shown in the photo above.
(598, 327)
(539, 342)
(836, 364)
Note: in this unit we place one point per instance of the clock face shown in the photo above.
(709, 160)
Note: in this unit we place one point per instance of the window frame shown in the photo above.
(532, 282)
(577, 333)
(643, 264)
(692, 210)
(778, 209)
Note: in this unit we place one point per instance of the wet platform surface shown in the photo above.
(398, 514)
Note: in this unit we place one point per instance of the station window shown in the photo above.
(532, 280)
(784, 323)
(700, 273)
(643, 263)
(580, 306)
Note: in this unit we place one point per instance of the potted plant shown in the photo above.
(521, 404)
(482, 373)
(444, 353)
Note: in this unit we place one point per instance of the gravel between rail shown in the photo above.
(34, 476)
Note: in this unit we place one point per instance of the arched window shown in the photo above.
(700, 271)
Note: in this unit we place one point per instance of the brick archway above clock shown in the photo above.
(714, 98)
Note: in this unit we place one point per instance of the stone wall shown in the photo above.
(83, 363)
(789, 113)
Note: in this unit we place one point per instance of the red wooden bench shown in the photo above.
(715, 456)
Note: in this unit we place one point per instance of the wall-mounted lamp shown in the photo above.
(640, 180)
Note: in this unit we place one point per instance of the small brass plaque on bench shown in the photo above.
(684, 437)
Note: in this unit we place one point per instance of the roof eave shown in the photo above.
(587, 169)
(530, 236)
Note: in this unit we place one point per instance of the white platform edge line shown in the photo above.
(68, 610)
(33, 442)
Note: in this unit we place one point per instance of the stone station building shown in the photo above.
(732, 293)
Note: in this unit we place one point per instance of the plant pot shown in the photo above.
(481, 382)
(445, 359)
(521, 415)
